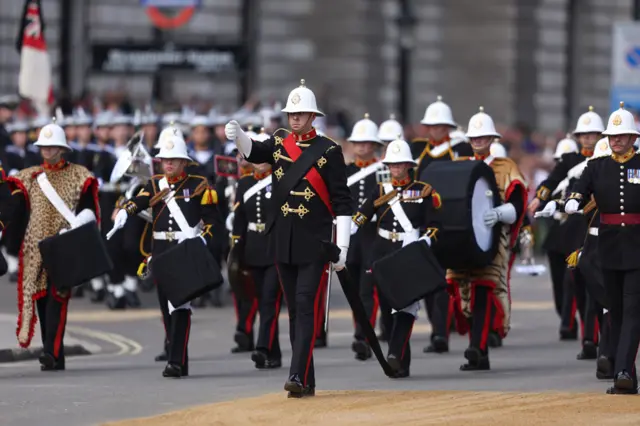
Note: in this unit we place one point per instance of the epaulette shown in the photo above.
(384, 198)
(283, 129)
(426, 189)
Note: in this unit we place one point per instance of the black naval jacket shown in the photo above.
(419, 202)
(253, 214)
(614, 182)
(19, 158)
(421, 149)
(361, 242)
(194, 197)
(565, 163)
(304, 220)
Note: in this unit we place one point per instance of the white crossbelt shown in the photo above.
(391, 236)
(176, 212)
(169, 236)
(363, 173)
(256, 227)
(398, 211)
(261, 184)
(593, 231)
(49, 191)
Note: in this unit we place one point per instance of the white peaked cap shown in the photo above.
(565, 146)
(438, 113)
(621, 122)
(480, 125)
(52, 135)
(390, 129)
(167, 133)
(302, 99)
(497, 150)
(589, 122)
(365, 130)
(172, 145)
(602, 148)
(398, 151)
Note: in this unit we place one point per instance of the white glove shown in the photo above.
(490, 218)
(505, 213)
(343, 237)
(354, 228)
(229, 222)
(203, 240)
(84, 217)
(231, 130)
(426, 239)
(548, 210)
(571, 206)
(119, 222)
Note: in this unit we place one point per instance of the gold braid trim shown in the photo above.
(590, 206)
(384, 198)
(158, 197)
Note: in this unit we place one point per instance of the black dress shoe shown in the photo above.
(162, 357)
(478, 361)
(131, 299)
(49, 363)
(494, 340)
(172, 370)
(244, 342)
(307, 391)
(362, 350)
(396, 365)
(625, 382)
(568, 333)
(439, 345)
(259, 358)
(589, 351)
(272, 363)
(604, 368)
(294, 386)
(98, 296)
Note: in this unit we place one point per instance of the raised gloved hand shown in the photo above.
(426, 239)
(231, 130)
(118, 223)
(548, 210)
(571, 206)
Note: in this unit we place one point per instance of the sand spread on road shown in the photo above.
(410, 407)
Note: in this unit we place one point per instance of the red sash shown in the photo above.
(313, 176)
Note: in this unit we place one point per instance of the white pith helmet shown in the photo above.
(302, 99)
(602, 148)
(52, 135)
(365, 130)
(497, 150)
(565, 146)
(621, 122)
(480, 125)
(438, 113)
(390, 129)
(398, 151)
(262, 136)
(172, 145)
(168, 132)
(589, 122)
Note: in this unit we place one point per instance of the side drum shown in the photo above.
(468, 189)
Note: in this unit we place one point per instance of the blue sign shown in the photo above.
(170, 3)
(625, 66)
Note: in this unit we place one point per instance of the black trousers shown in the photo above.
(482, 317)
(179, 338)
(557, 267)
(246, 312)
(439, 309)
(166, 317)
(623, 289)
(52, 314)
(302, 290)
(269, 301)
(572, 302)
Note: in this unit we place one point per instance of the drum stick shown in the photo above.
(112, 232)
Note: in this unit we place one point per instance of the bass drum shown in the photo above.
(467, 189)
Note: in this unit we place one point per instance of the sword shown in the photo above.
(328, 299)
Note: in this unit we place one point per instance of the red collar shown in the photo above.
(246, 171)
(586, 152)
(306, 137)
(364, 163)
(260, 176)
(481, 156)
(434, 143)
(401, 182)
(177, 179)
(55, 167)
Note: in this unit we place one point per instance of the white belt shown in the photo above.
(256, 227)
(593, 231)
(169, 236)
(392, 236)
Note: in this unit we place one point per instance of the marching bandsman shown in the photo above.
(390, 130)
(36, 194)
(83, 146)
(588, 131)
(614, 183)
(309, 190)
(482, 295)
(179, 203)
(438, 146)
(404, 208)
(252, 207)
(362, 180)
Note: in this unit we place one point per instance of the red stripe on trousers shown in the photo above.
(274, 323)
(316, 304)
(186, 341)
(573, 314)
(487, 322)
(58, 340)
(251, 317)
(406, 341)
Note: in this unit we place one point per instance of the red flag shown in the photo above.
(35, 68)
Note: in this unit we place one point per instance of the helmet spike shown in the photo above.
(439, 98)
(302, 82)
(568, 136)
(261, 129)
(366, 115)
(392, 116)
(590, 108)
(481, 109)
(621, 104)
